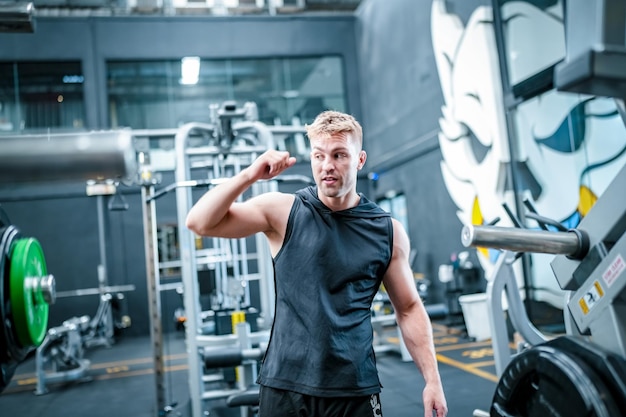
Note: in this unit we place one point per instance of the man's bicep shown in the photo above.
(401, 289)
(398, 279)
(265, 213)
(241, 220)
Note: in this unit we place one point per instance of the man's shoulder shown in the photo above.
(276, 197)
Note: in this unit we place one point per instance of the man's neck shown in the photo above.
(344, 202)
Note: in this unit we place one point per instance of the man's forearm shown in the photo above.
(417, 334)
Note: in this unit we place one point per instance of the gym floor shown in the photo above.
(121, 381)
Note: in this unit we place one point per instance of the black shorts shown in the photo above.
(278, 403)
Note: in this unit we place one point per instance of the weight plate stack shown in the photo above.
(11, 353)
(6, 369)
(25, 292)
(28, 305)
(562, 378)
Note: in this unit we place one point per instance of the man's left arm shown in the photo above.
(414, 322)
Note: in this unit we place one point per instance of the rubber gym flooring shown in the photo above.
(121, 381)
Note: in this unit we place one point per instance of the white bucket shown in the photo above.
(476, 316)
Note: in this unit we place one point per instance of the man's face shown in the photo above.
(335, 161)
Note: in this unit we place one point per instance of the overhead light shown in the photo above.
(190, 70)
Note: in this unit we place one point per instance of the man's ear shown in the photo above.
(362, 159)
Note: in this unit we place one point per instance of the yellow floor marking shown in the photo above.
(467, 368)
(139, 372)
(25, 384)
(446, 329)
(104, 365)
(135, 361)
(462, 346)
(483, 363)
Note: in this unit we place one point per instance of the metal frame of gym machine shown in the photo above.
(590, 268)
(223, 157)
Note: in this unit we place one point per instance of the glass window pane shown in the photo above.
(315, 85)
(150, 95)
(41, 96)
(396, 206)
(399, 210)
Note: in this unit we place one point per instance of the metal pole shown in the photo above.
(62, 157)
(154, 296)
(17, 18)
(522, 240)
(266, 268)
(102, 276)
(189, 271)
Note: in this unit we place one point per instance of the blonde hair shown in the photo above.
(330, 122)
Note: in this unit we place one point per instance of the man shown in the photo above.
(331, 249)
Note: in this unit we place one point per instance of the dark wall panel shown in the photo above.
(402, 101)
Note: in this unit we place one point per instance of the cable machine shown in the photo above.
(207, 154)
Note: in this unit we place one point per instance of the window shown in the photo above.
(41, 96)
(152, 94)
(395, 204)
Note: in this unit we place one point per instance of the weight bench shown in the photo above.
(223, 358)
(248, 398)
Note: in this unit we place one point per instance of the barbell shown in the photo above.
(26, 291)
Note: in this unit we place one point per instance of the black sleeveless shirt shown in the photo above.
(326, 274)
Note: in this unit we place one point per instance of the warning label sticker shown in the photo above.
(614, 270)
(591, 297)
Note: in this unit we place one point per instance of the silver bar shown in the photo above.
(219, 377)
(63, 157)
(103, 276)
(171, 286)
(231, 340)
(286, 129)
(219, 394)
(17, 18)
(521, 240)
(188, 269)
(154, 294)
(95, 291)
(216, 150)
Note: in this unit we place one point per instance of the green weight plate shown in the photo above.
(11, 351)
(30, 310)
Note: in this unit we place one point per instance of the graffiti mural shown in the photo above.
(568, 146)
